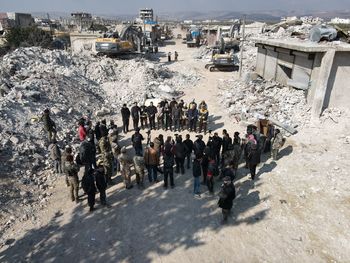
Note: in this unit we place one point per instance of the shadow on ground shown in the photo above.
(139, 225)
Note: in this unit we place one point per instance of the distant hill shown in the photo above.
(264, 16)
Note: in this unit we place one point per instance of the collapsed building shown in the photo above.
(11, 19)
(322, 70)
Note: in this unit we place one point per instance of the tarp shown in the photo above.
(150, 22)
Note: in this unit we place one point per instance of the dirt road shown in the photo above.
(297, 210)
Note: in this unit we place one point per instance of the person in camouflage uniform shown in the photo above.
(139, 164)
(72, 179)
(49, 125)
(125, 162)
(277, 143)
(106, 157)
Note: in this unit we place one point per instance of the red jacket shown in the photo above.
(82, 133)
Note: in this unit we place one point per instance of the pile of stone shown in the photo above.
(247, 100)
(33, 79)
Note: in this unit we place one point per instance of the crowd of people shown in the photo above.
(102, 156)
(167, 115)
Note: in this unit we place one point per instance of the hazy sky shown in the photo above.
(132, 6)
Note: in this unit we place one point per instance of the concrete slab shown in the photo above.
(303, 45)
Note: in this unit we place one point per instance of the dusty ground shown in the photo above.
(297, 210)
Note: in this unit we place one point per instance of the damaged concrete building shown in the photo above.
(322, 70)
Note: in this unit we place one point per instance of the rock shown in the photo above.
(104, 111)
(14, 140)
(55, 110)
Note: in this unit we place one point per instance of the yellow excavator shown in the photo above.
(130, 40)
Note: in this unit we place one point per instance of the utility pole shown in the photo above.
(242, 44)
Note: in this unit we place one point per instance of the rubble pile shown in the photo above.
(203, 53)
(32, 79)
(249, 100)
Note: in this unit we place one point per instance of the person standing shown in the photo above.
(160, 117)
(98, 131)
(192, 118)
(125, 162)
(227, 194)
(135, 115)
(136, 140)
(151, 161)
(103, 128)
(199, 145)
(226, 142)
(82, 130)
(168, 158)
(189, 145)
(169, 56)
(180, 150)
(176, 55)
(159, 144)
(173, 103)
(125, 117)
(212, 171)
(49, 125)
(101, 182)
(72, 179)
(184, 117)
(89, 187)
(167, 117)
(197, 172)
(143, 117)
(176, 115)
(139, 164)
(107, 157)
(216, 146)
(152, 111)
(253, 158)
(87, 154)
(55, 155)
(277, 143)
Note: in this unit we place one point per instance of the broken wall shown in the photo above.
(83, 43)
(338, 88)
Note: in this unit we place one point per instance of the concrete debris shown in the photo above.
(248, 101)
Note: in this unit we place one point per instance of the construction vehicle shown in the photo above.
(193, 37)
(129, 40)
(229, 40)
(223, 62)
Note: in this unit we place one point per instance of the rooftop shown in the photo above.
(303, 45)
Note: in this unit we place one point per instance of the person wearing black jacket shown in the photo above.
(226, 142)
(216, 146)
(136, 140)
(197, 172)
(103, 128)
(89, 187)
(253, 159)
(125, 117)
(152, 111)
(227, 194)
(199, 146)
(168, 158)
(101, 182)
(180, 154)
(98, 131)
(189, 144)
(135, 115)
